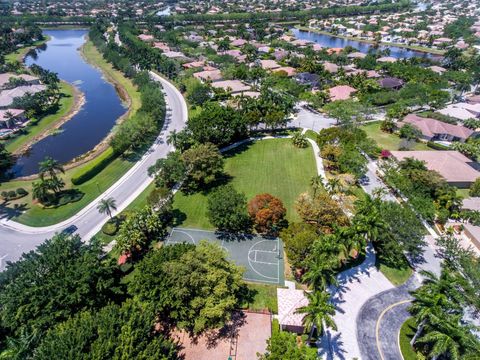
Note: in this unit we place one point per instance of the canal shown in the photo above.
(336, 42)
(94, 120)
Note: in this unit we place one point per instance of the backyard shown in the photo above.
(267, 166)
(386, 140)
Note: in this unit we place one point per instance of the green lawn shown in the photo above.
(267, 166)
(464, 193)
(263, 297)
(38, 126)
(386, 140)
(395, 275)
(407, 332)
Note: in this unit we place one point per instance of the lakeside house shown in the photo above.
(231, 86)
(10, 80)
(7, 97)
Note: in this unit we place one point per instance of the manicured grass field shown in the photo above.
(264, 297)
(65, 104)
(267, 166)
(388, 141)
(407, 332)
(32, 214)
(396, 276)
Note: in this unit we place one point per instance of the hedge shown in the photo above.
(437, 146)
(94, 167)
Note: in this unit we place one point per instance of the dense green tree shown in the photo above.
(168, 171)
(113, 332)
(204, 165)
(47, 286)
(6, 160)
(141, 228)
(217, 124)
(283, 345)
(227, 209)
(196, 288)
(298, 239)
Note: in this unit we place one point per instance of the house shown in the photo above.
(433, 129)
(390, 83)
(437, 69)
(269, 64)
(25, 79)
(330, 67)
(175, 55)
(162, 46)
(238, 42)
(7, 96)
(386, 59)
(471, 203)
(12, 118)
(193, 64)
(231, 86)
(457, 169)
(462, 111)
(356, 55)
(290, 71)
(208, 75)
(289, 301)
(146, 38)
(305, 78)
(341, 92)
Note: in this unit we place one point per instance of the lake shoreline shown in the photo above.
(78, 102)
(371, 42)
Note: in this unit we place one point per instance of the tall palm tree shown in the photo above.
(436, 297)
(50, 166)
(105, 206)
(318, 313)
(321, 272)
(317, 183)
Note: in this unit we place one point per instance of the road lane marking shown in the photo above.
(377, 326)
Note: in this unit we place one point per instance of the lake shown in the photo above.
(336, 42)
(94, 120)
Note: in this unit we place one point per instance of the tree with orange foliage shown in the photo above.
(267, 213)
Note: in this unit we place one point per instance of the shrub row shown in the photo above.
(94, 167)
(437, 146)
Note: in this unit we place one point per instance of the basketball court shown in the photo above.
(261, 257)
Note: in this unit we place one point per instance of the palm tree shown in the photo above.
(321, 272)
(40, 191)
(105, 206)
(172, 138)
(318, 313)
(334, 185)
(50, 166)
(317, 183)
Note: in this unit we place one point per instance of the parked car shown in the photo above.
(69, 230)
(364, 180)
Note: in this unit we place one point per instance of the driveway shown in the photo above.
(356, 286)
(17, 238)
(312, 120)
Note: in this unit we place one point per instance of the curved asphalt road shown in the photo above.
(16, 238)
(379, 322)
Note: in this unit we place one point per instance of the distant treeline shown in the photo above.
(47, 19)
(287, 15)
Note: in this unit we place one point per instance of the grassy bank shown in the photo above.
(125, 86)
(407, 332)
(27, 212)
(371, 42)
(20, 53)
(267, 166)
(38, 126)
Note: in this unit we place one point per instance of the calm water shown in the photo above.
(335, 42)
(96, 118)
